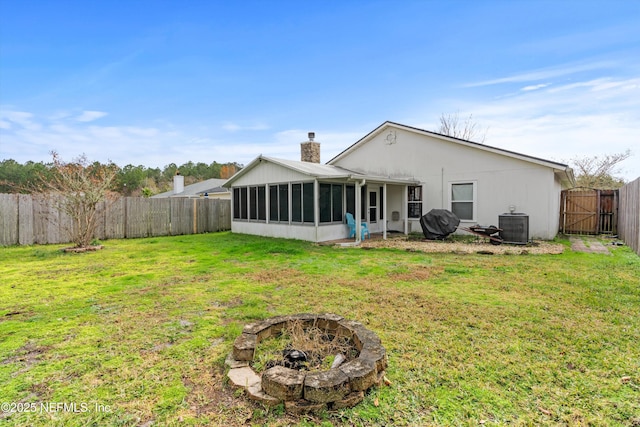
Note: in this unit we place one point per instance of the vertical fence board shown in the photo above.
(115, 219)
(225, 216)
(26, 233)
(160, 217)
(42, 219)
(8, 219)
(202, 208)
(66, 227)
(138, 213)
(100, 220)
(213, 216)
(181, 216)
(629, 215)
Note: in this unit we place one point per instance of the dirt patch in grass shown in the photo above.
(479, 247)
(288, 275)
(211, 399)
(29, 354)
(82, 249)
(209, 394)
(420, 272)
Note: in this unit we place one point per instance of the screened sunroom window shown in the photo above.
(302, 208)
(279, 203)
(330, 202)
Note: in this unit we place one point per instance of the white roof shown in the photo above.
(564, 172)
(316, 170)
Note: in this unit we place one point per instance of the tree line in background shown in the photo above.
(129, 180)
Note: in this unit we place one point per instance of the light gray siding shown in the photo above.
(500, 180)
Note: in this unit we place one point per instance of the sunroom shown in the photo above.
(308, 201)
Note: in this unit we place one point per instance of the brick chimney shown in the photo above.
(310, 150)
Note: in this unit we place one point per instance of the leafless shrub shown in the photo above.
(452, 125)
(77, 188)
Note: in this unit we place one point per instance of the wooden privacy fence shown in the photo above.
(589, 211)
(629, 220)
(27, 219)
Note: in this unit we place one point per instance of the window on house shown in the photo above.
(274, 215)
(302, 207)
(414, 206)
(363, 203)
(279, 203)
(253, 202)
(257, 203)
(240, 202)
(236, 203)
(350, 192)
(325, 202)
(307, 202)
(250, 203)
(462, 200)
(262, 203)
(283, 202)
(330, 202)
(336, 202)
(296, 202)
(381, 203)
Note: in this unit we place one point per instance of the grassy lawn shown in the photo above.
(137, 334)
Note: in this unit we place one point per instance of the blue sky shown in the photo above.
(158, 82)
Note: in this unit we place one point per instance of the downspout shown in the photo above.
(441, 188)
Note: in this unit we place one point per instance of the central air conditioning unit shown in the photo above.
(515, 228)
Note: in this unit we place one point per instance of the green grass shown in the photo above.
(142, 327)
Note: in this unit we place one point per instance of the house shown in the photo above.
(211, 188)
(390, 178)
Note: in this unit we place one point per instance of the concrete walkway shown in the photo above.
(588, 244)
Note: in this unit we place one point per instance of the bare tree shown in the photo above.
(78, 187)
(452, 125)
(599, 172)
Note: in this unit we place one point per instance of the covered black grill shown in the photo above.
(438, 224)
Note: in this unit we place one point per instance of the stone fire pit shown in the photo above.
(305, 391)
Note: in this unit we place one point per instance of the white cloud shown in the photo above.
(549, 120)
(89, 116)
(534, 87)
(235, 127)
(544, 73)
(22, 119)
(231, 127)
(587, 118)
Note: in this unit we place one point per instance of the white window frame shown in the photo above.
(474, 201)
(419, 203)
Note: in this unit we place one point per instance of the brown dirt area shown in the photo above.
(473, 247)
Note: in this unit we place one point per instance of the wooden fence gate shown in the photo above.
(589, 211)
